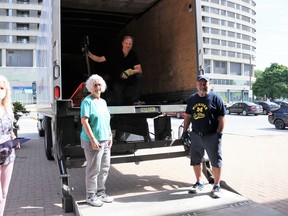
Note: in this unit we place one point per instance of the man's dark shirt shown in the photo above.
(205, 111)
(118, 63)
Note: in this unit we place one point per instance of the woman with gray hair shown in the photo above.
(96, 140)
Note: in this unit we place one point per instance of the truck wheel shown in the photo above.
(67, 203)
(48, 139)
(41, 133)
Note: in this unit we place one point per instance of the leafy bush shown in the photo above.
(18, 110)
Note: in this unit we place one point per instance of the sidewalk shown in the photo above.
(259, 174)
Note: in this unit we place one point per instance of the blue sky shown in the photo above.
(271, 33)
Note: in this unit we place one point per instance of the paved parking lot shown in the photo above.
(255, 166)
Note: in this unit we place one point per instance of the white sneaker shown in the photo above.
(94, 201)
(105, 198)
(216, 192)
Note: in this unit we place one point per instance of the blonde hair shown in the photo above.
(6, 101)
(91, 82)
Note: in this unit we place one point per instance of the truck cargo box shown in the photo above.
(165, 38)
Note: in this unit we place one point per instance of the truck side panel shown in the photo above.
(166, 40)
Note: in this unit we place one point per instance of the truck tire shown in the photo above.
(48, 139)
(41, 133)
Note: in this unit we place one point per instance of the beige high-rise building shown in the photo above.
(19, 22)
(229, 42)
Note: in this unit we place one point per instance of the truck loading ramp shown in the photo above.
(177, 203)
(160, 188)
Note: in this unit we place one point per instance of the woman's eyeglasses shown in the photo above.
(97, 84)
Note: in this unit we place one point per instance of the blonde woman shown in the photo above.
(7, 154)
(96, 140)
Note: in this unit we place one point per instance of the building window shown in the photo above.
(220, 67)
(205, 19)
(215, 31)
(207, 66)
(231, 54)
(22, 26)
(245, 18)
(206, 40)
(223, 2)
(22, 39)
(205, 30)
(231, 44)
(215, 52)
(215, 41)
(231, 24)
(231, 14)
(23, 1)
(215, 21)
(245, 46)
(214, 10)
(215, 1)
(246, 28)
(245, 37)
(22, 13)
(231, 34)
(231, 4)
(206, 51)
(235, 68)
(247, 69)
(245, 9)
(19, 58)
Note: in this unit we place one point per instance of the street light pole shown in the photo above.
(250, 78)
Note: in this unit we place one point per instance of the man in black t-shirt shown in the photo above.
(126, 70)
(205, 111)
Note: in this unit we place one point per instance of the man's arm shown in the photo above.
(186, 122)
(221, 124)
(96, 58)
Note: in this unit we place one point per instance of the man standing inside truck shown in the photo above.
(126, 70)
(205, 110)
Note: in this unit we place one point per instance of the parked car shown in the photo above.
(245, 108)
(279, 118)
(178, 115)
(268, 106)
(281, 103)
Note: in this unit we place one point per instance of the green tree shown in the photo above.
(272, 82)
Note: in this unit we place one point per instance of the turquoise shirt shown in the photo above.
(99, 118)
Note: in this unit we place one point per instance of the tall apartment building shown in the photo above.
(229, 45)
(19, 22)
